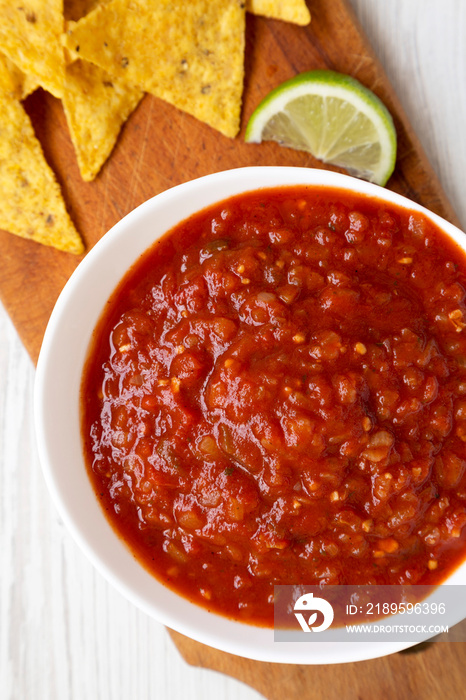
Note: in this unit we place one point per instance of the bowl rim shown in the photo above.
(58, 375)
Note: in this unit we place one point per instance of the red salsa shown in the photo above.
(276, 394)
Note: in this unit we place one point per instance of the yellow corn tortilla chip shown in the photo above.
(96, 106)
(31, 205)
(11, 79)
(30, 34)
(13, 82)
(30, 84)
(190, 54)
(294, 11)
(75, 9)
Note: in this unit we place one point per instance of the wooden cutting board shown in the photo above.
(161, 147)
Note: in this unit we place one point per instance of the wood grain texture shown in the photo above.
(161, 147)
(403, 676)
(65, 634)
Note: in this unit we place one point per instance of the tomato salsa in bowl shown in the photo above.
(259, 378)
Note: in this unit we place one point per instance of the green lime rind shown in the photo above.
(332, 116)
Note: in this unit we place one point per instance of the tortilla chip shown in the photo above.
(32, 205)
(294, 11)
(75, 9)
(190, 54)
(13, 82)
(30, 84)
(30, 36)
(11, 79)
(96, 106)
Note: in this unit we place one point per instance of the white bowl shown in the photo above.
(57, 412)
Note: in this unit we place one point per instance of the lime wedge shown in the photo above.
(332, 116)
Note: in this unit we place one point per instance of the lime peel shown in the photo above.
(332, 116)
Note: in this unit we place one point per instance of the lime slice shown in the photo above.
(332, 116)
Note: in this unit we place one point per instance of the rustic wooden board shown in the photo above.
(418, 673)
(161, 147)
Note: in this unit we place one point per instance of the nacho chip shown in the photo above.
(76, 9)
(294, 11)
(11, 79)
(190, 54)
(96, 106)
(30, 84)
(30, 36)
(32, 205)
(13, 82)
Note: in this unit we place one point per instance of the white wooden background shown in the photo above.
(64, 633)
